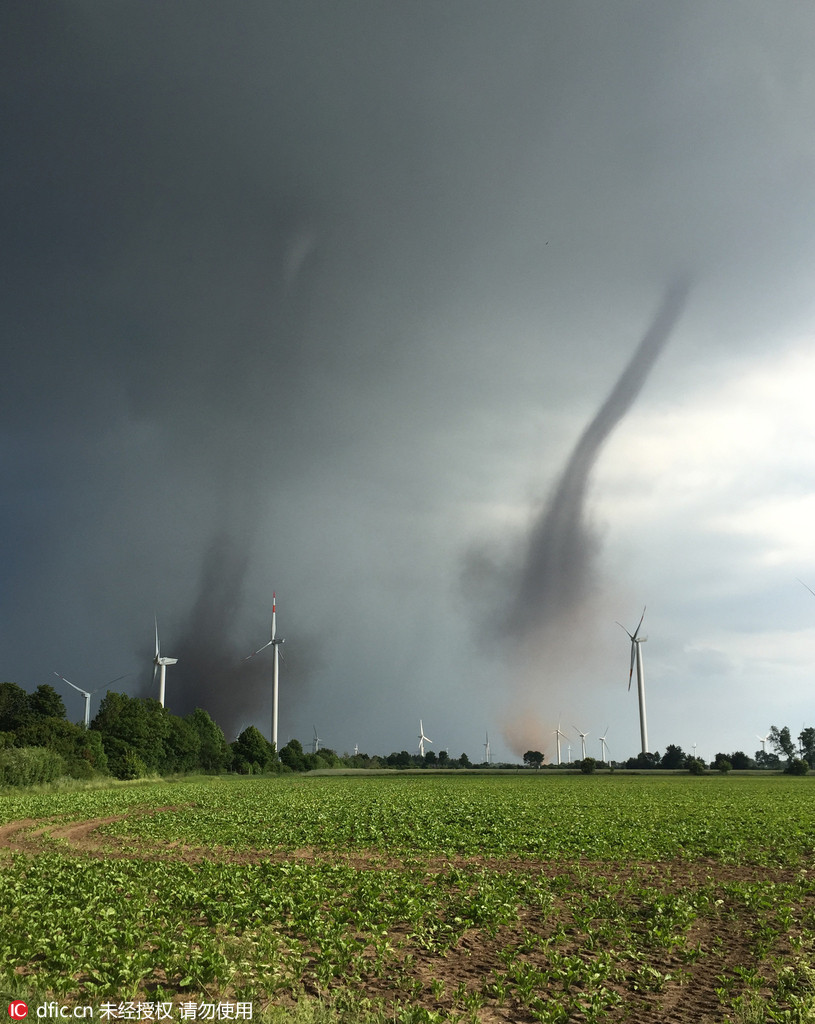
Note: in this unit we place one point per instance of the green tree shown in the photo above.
(464, 761)
(14, 707)
(214, 754)
(444, 758)
(767, 761)
(796, 766)
(141, 725)
(646, 760)
(807, 741)
(182, 746)
(292, 756)
(80, 748)
(673, 758)
(252, 752)
(45, 702)
(722, 764)
(696, 766)
(781, 741)
(533, 758)
(588, 766)
(740, 761)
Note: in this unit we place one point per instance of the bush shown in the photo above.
(28, 766)
(588, 765)
(696, 766)
(796, 766)
(722, 764)
(131, 766)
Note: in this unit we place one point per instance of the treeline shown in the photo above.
(786, 757)
(133, 738)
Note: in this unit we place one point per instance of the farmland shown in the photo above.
(420, 897)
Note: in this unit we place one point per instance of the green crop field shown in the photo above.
(531, 897)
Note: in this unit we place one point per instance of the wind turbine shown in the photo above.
(87, 695)
(582, 736)
(636, 655)
(763, 741)
(274, 643)
(487, 749)
(603, 746)
(161, 663)
(422, 739)
(804, 585)
(558, 735)
(316, 740)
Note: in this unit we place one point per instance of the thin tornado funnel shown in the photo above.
(556, 570)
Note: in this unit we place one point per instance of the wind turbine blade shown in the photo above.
(637, 630)
(263, 648)
(804, 585)
(111, 682)
(633, 656)
(77, 688)
(158, 649)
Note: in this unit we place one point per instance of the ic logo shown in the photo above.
(17, 1010)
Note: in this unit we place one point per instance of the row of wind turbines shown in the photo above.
(160, 663)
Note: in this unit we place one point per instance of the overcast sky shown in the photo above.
(319, 297)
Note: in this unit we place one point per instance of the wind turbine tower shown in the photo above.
(603, 746)
(160, 663)
(274, 643)
(636, 656)
(422, 739)
(558, 735)
(487, 755)
(87, 695)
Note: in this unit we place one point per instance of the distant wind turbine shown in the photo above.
(274, 643)
(603, 746)
(87, 695)
(808, 588)
(316, 741)
(558, 735)
(582, 736)
(487, 749)
(636, 655)
(422, 739)
(160, 663)
(763, 741)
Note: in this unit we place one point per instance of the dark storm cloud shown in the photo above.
(288, 280)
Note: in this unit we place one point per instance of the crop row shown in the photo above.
(568, 899)
(764, 821)
(571, 943)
